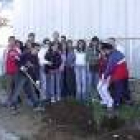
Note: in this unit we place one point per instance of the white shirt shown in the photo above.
(80, 58)
(41, 56)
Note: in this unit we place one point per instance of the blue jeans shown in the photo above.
(81, 82)
(53, 84)
(120, 90)
(22, 82)
(43, 81)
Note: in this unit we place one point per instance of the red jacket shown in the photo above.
(120, 72)
(12, 61)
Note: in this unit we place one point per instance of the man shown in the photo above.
(92, 58)
(11, 58)
(118, 73)
(28, 64)
(113, 42)
(42, 62)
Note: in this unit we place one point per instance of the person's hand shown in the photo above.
(47, 62)
(23, 68)
(38, 83)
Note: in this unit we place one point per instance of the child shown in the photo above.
(12, 55)
(118, 73)
(103, 87)
(80, 70)
(29, 63)
(42, 62)
(92, 59)
(70, 72)
(62, 69)
(53, 72)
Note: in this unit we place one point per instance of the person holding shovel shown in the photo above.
(28, 64)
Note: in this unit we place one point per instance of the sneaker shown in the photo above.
(39, 109)
(14, 110)
(53, 100)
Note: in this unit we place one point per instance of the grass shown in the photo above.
(124, 112)
(2, 82)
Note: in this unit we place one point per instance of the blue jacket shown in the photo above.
(113, 58)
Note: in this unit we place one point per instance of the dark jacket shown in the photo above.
(55, 59)
(31, 62)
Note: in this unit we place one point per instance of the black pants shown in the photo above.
(68, 82)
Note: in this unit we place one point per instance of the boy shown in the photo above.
(53, 73)
(103, 87)
(92, 58)
(28, 64)
(11, 55)
(118, 73)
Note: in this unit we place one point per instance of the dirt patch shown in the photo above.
(69, 118)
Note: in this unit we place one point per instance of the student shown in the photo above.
(53, 72)
(43, 77)
(12, 55)
(29, 63)
(117, 46)
(56, 37)
(70, 72)
(80, 70)
(20, 45)
(118, 73)
(63, 39)
(31, 37)
(92, 59)
(103, 87)
(62, 69)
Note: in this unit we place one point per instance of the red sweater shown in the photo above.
(12, 61)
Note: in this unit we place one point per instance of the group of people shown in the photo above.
(58, 70)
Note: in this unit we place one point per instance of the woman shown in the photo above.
(80, 69)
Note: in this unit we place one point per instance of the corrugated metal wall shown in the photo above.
(78, 18)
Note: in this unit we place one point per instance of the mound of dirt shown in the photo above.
(68, 116)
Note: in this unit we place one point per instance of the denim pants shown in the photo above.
(81, 82)
(119, 91)
(22, 82)
(43, 81)
(53, 84)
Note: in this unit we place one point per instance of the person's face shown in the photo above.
(94, 43)
(55, 47)
(17, 44)
(69, 44)
(103, 53)
(63, 39)
(28, 45)
(31, 38)
(12, 42)
(56, 36)
(47, 45)
(112, 42)
(107, 52)
(34, 50)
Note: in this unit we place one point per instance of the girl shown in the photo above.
(103, 87)
(70, 73)
(43, 62)
(54, 57)
(63, 69)
(80, 69)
